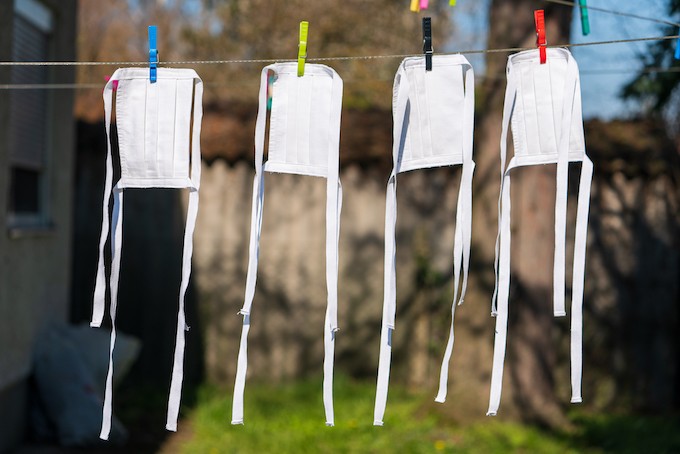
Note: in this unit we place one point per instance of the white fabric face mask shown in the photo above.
(159, 127)
(304, 140)
(433, 127)
(543, 104)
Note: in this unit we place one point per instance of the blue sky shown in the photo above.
(599, 91)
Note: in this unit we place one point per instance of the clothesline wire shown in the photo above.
(323, 59)
(586, 72)
(617, 13)
(631, 71)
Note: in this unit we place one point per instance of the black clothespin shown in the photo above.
(427, 42)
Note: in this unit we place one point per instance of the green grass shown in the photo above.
(290, 419)
(629, 434)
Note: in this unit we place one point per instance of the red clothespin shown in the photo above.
(541, 42)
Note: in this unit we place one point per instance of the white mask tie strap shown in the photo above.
(116, 245)
(562, 191)
(254, 251)
(463, 231)
(499, 306)
(579, 278)
(192, 213)
(333, 210)
(99, 300)
(390, 287)
(508, 106)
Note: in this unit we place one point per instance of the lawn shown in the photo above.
(289, 419)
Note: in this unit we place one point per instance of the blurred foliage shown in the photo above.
(115, 30)
(289, 418)
(265, 29)
(658, 91)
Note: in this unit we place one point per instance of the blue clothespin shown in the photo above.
(585, 22)
(153, 53)
(677, 47)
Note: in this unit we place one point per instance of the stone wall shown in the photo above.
(288, 310)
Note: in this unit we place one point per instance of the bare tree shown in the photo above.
(531, 358)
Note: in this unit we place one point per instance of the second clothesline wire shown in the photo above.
(324, 59)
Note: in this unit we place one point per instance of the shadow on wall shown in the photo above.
(632, 289)
(634, 264)
(631, 341)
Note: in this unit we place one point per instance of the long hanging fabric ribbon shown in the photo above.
(193, 183)
(254, 251)
(579, 266)
(333, 210)
(390, 285)
(116, 244)
(508, 106)
(187, 253)
(571, 110)
(462, 236)
(463, 225)
(99, 300)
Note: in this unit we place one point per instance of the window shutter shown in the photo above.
(28, 124)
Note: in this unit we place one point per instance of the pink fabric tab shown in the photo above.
(115, 82)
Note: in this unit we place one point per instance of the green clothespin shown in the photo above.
(585, 23)
(302, 48)
(452, 2)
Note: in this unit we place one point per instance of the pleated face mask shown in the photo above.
(543, 105)
(304, 140)
(433, 127)
(159, 126)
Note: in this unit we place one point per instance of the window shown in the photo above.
(29, 126)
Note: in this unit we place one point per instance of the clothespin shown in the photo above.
(302, 48)
(424, 4)
(677, 48)
(270, 89)
(585, 22)
(415, 5)
(541, 42)
(427, 42)
(153, 53)
(452, 2)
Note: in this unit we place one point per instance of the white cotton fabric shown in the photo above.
(159, 127)
(433, 126)
(304, 139)
(543, 106)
